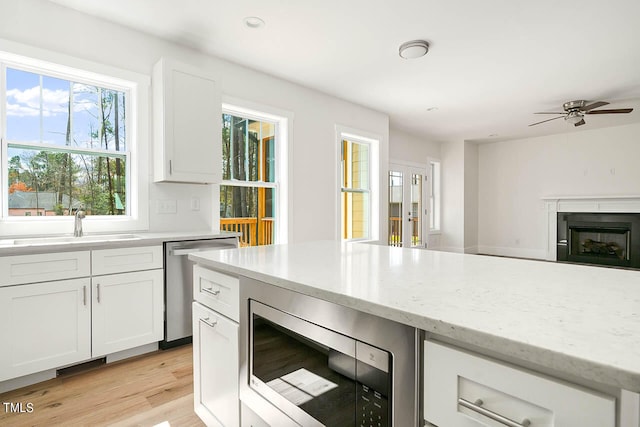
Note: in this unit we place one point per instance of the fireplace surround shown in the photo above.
(611, 239)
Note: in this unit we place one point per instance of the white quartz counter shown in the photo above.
(39, 244)
(584, 321)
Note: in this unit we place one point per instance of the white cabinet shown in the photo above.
(467, 390)
(215, 347)
(127, 311)
(215, 362)
(67, 316)
(44, 326)
(187, 124)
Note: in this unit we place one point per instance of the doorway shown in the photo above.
(408, 217)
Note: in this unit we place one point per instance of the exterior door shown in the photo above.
(407, 213)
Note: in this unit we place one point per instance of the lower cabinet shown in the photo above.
(127, 311)
(44, 326)
(215, 368)
(468, 390)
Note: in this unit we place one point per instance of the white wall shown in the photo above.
(514, 175)
(452, 157)
(471, 187)
(313, 174)
(405, 147)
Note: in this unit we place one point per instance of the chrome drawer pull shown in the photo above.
(211, 291)
(477, 407)
(208, 322)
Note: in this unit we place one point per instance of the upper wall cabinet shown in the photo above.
(187, 124)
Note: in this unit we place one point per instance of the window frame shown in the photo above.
(283, 122)
(373, 141)
(137, 86)
(434, 195)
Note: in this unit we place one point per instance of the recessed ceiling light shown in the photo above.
(432, 109)
(413, 49)
(492, 135)
(253, 22)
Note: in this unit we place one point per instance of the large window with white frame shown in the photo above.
(252, 197)
(67, 141)
(358, 187)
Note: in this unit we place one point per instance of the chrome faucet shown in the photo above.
(77, 226)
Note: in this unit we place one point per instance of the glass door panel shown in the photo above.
(407, 215)
(395, 208)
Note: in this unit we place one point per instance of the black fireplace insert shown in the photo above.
(611, 239)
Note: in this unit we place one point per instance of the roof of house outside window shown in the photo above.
(40, 200)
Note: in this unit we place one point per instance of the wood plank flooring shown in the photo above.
(143, 391)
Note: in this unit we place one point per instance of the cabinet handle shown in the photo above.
(170, 171)
(477, 407)
(208, 322)
(211, 291)
(98, 286)
(84, 295)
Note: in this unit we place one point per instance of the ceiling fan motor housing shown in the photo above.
(574, 105)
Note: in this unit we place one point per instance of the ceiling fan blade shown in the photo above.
(548, 120)
(549, 113)
(594, 105)
(616, 111)
(580, 123)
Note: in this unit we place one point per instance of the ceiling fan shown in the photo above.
(574, 112)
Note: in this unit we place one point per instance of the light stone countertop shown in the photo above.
(579, 320)
(103, 241)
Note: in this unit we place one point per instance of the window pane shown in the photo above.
(355, 218)
(239, 148)
(85, 116)
(23, 106)
(248, 149)
(55, 111)
(355, 165)
(395, 208)
(52, 183)
(249, 210)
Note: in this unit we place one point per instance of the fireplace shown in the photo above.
(611, 239)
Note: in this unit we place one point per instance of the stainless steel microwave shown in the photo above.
(309, 362)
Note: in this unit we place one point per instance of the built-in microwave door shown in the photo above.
(305, 370)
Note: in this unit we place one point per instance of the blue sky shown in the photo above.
(25, 98)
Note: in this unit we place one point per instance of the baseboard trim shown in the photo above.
(513, 252)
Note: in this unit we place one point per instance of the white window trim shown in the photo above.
(434, 231)
(284, 131)
(373, 140)
(138, 85)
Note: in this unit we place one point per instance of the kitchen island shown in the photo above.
(574, 322)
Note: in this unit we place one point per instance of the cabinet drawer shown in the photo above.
(217, 291)
(122, 260)
(22, 269)
(469, 390)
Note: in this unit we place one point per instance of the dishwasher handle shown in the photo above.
(181, 251)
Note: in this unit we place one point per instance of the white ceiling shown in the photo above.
(492, 63)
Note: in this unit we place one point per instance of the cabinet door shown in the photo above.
(44, 326)
(127, 311)
(187, 124)
(215, 368)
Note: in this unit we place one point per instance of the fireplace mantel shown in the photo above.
(608, 204)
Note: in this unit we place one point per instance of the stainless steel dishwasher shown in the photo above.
(178, 286)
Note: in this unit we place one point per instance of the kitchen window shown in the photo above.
(358, 189)
(69, 141)
(252, 197)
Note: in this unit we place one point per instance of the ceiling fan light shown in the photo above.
(413, 49)
(574, 117)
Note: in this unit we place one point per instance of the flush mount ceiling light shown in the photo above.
(413, 49)
(574, 117)
(253, 22)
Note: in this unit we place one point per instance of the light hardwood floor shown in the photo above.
(142, 391)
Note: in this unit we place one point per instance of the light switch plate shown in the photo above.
(167, 207)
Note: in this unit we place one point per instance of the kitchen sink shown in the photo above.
(55, 240)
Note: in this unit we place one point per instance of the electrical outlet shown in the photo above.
(167, 207)
(195, 203)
